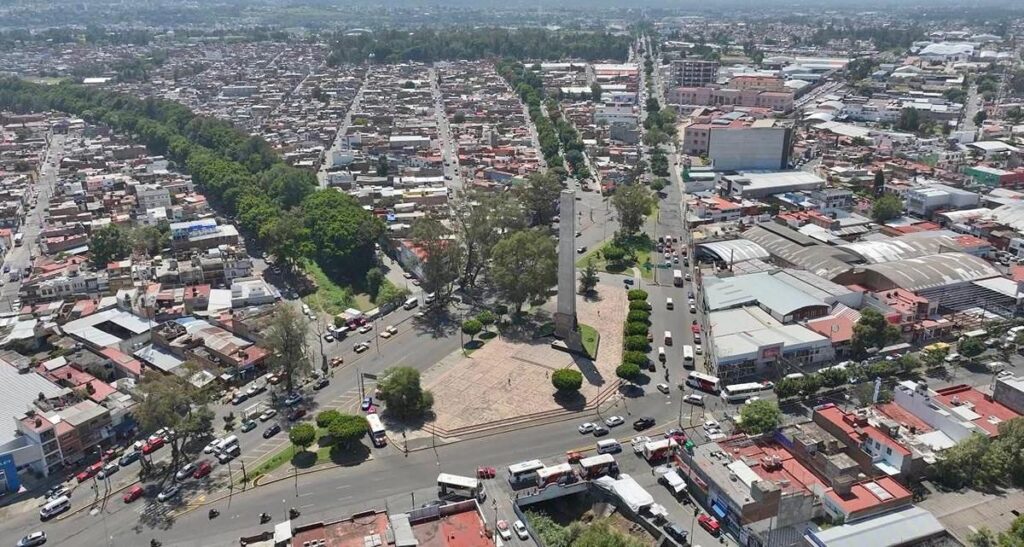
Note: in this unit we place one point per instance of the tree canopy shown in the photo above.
(886, 207)
(400, 388)
(872, 330)
(109, 243)
(761, 416)
(524, 266)
(302, 435)
(287, 337)
(633, 203)
(567, 379)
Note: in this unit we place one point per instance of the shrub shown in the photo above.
(636, 329)
(638, 316)
(637, 294)
(567, 379)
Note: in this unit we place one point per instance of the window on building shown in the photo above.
(888, 450)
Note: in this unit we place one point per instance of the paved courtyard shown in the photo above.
(506, 379)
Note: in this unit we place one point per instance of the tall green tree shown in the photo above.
(589, 278)
(472, 327)
(173, 401)
(287, 238)
(287, 338)
(760, 417)
(400, 388)
(886, 207)
(442, 261)
(302, 435)
(872, 330)
(347, 429)
(481, 220)
(342, 233)
(633, 203)
(524, 266)
(108, 244)
(539, 197)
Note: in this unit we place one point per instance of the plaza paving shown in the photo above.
(506, 379)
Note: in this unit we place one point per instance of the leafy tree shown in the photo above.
(567, 380)
(374, 279)
(872, 331)
(636, 294)
(810, 384)
(636, 329)
(886, 207)
(589, 278)
(639, 316)
(833, 377)
(632, 203)
(659, 184)
(151, 239)
(971, 347)
(472, 327)
(400, 388)
(909, 120)
(983, 537)
(108, 244)
(934, 356)
(347, 429)
(172, 401)
(287, 337)
(596, 92)
(487, 318)
(481, 220)
(342, 233)
(501, 310)
(908, 363)
(787, 387)
(382, 165)
(443, 261)
(302, 435)
(638, 358)
(629, 372)
(324, 419)
(287, 238)
(613, 253)
(759, 417)
(539, 197)
(879, 184)
(980, 117)
(289, 185)
(641, 305)
(390, 295)
(635, 343)
(524, 266)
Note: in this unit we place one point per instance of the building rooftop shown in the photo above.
(351, 532)
(460, 529)
(900, 248)
(108, 327)
(18, 393)
(868, 494)
(906, 526)
(974, 406)
(735, 250)
(937, 270)
(761, 288)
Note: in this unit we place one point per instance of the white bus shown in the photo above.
(688, 356)
(595, 466)
(524, 471)
(377, 433)
(737, 393)
(18, 238)
(553, 474)
(677, 278)
(449, 485)
(703, 382)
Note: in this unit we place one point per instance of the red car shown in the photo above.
(203, 470)
(710, 524)
(695, 329)
(133, 494)
(486, 472)
(153, 446)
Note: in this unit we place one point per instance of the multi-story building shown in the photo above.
(692, 72)
(778, 101)
(151, 196)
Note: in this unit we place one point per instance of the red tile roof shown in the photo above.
(346, 533)
(861, 496)
(837, 417)
(465, 529)
(981, 404)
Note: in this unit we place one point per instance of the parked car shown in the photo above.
(293, 399)
(676, 532)
(35, 538)
(129, 457)
(185, 471)
(133, 493)
(504, 531)
(600, 431)
(664, 388)
(643, 423)
(366, 404)
(153, 446)
(320, 383)
(613, 421)
(58, 491)
(521, 531)
(267, 414)
(585, 428)
(239, 398)
(168, 493)
(296, 414)
(247, 426)
(710, 524)
(108, 470)
(203, 469)
(271, 431)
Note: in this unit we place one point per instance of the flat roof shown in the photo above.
(971, 405)
(902, 527)
(762, 288)
(92, 328)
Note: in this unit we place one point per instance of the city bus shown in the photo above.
(377, 433)
(449, 485)
(738, 393)
(595, 466)
(687, 356)
(554, 474)
(524, 471)
(703, 382)
(677, 278)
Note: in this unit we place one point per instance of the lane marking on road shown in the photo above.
(306, 494)
(343, 486)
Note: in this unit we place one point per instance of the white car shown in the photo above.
(185, 472)
(613, 421)
(585, 428)
(664, 388)
(35, 538)
(365, 328)
(268, 414)
(360, 347)
(521, 531)
(388, 331)
(211, 447)
(638, 443)
(711, 424)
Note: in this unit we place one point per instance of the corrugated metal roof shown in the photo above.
(927, 272)
(900, 248)
(736, 250)
(801, 251)
(19, 391)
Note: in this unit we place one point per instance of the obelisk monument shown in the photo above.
(565, 316)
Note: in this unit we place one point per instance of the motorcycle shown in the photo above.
(213, 513)
(264, 518)
(293, 513)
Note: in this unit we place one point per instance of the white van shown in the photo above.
(661, 353)
(687, 355)
(668, 338)
(669, 304)
(411, 303)
(608, 446)
(693, 308)
(226, 443)
(55, 507)
(694, 399)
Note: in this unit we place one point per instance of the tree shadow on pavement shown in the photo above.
(632, 391)
(304, 459)
(437, 323)
(354, 454)
(572, 400)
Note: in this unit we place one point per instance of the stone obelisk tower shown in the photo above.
(565, 317)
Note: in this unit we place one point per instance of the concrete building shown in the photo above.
(691, 72)
(955, 412)
(763, 184)
(778, 101)
(746, 342)
(151, 196)
(1009, 392)
(925, 200)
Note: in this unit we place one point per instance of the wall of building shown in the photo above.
(1009, 395)
(750, 148)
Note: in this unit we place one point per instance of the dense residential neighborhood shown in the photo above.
(653, 276)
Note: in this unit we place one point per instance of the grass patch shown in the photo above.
(331, 297)
(639, 246)
(591, 340)
(292, 454)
